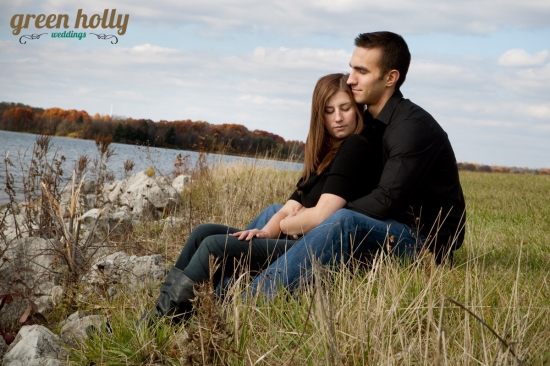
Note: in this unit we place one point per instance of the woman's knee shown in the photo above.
(203, 228)
(215, 245)
(203, 231)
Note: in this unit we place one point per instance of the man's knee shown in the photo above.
(344, 219)
(263, 218)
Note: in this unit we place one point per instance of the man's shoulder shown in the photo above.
(406, 110)
(409, 115)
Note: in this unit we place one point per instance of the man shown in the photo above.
(419, 201)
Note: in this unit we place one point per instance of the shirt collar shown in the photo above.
(387, 111)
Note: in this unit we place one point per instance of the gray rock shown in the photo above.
(89, 186)
(34, 345)
(74, 330)
(90, 200)
(28, 269)
(46, 295)
(142, 193)
(108, 224)
(11, 313)
(3, 348)
(65, 195)
(179, 182)
(28, 260)
(9, 226)
(119, 269)
(34, 253)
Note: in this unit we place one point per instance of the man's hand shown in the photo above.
(249, 234)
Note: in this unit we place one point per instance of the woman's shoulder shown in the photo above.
(356, 138)
(354, 142)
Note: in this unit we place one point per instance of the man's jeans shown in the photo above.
(344, 234)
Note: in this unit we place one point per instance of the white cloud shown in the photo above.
(520, 57)
(542, 128)
(257, 99)
(541, 111)
(531, 82)
(151, 49)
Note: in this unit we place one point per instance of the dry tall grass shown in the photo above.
(390, 314)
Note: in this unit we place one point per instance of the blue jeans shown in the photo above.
(343, 235)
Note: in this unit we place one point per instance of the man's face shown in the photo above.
(366, 79)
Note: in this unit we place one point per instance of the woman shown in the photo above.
(340, 165)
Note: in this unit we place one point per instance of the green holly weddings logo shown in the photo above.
(109, 20)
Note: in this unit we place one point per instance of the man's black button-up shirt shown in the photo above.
(419, 185)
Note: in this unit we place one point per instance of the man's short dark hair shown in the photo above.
(395, 52)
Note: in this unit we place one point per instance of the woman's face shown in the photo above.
(340, 116)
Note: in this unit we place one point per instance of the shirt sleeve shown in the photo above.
(296, 196)
(411, 149)
(349, 167)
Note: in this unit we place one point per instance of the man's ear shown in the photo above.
(392, 77)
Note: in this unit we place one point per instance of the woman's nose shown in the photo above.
(338, 116)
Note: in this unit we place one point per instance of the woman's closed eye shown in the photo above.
(344, 107)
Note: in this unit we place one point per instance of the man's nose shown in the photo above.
(351, 78)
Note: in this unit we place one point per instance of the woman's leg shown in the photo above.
(175, 275)
(233, 254)
(254, 255)
(197, 236)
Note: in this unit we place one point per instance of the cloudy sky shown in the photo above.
(481, 68)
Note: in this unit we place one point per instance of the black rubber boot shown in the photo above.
(150, 316)
(170, 278)
(177, 298)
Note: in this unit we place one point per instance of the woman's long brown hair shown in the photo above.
(321, 147)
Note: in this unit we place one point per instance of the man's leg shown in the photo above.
(343, 234)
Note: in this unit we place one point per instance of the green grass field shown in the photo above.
(391, 314)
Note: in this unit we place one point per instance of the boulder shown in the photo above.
(28, 268)
(179, 182)
(109, 223)
(9, 230)
(34, 253)
(88, 187)
(142, 193)
(3, 348)
(46, 295)
(76, 327)
(34, 345)
(120, 269)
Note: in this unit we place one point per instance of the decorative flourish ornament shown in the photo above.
(106, 36)
(31, 37)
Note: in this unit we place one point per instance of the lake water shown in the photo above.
(163, 159)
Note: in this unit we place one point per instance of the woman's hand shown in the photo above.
(249, 234)
(306, 219)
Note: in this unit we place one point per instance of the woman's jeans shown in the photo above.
(342, 235)
(232, 254)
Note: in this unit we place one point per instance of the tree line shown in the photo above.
(181, 134)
